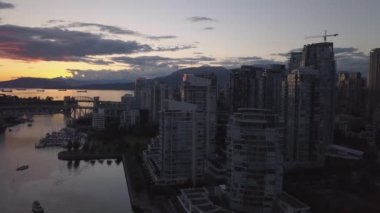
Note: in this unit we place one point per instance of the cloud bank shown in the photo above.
(28, 43)
(107, 29)
(351, 59)
(55, 44)
(200, 19)
(5, 5)
(208, 28)
(235, 62)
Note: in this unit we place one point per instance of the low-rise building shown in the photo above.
(152, 159)
(289, 204)
(216, 169)
(342, 152)
(196, 200)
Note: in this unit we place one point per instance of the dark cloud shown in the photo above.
(5, 5)
(200, 19)
(55, 21)
(154, 63)
(54, 44)
(208, 28)
(251, 58)
(142, 60)
(161, 37)
(339, 50)
(175, 48)
(204, 58)
(148, 66)
(108, 29)
(235, 62)
(101, 27)
(28, 43)
(154, 66)
(124, 74)
(90, 60)
(351, 59)
(287, 54)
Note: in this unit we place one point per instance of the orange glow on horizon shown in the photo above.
(12, 69)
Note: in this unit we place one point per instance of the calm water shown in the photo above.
(105, 95)
(59, 188)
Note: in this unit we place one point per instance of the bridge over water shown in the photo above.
(74, 107)
(79, 106)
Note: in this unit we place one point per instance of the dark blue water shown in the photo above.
(58, 187)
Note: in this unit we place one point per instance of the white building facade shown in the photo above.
(178, 140)
(254, 160)
(201, 91)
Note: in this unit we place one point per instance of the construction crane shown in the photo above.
(323, 36)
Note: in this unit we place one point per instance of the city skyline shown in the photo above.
(190, 106)
(149, 38)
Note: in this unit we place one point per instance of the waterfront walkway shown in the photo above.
(141, 200)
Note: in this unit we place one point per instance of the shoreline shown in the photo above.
(5, 126)
(128, 180)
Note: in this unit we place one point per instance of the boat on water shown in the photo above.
(6, 90)
(20, 89)
(37, 208)
(21, 168)
(40, 90)
(62, 90)
(81, 90)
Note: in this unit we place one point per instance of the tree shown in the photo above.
(76, 146)
(70, 145)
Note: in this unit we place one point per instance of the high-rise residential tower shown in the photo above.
(246, 88)
(320, 57)
(160, 93)
(201, 91)
(309, 106)
(175, 162)
(374, 80)
(294, 61)
(272, 87)
(351, 95)
(302, 126)
(254, 160)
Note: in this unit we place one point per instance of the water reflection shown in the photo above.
(60, 186)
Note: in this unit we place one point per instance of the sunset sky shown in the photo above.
(123, 39)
